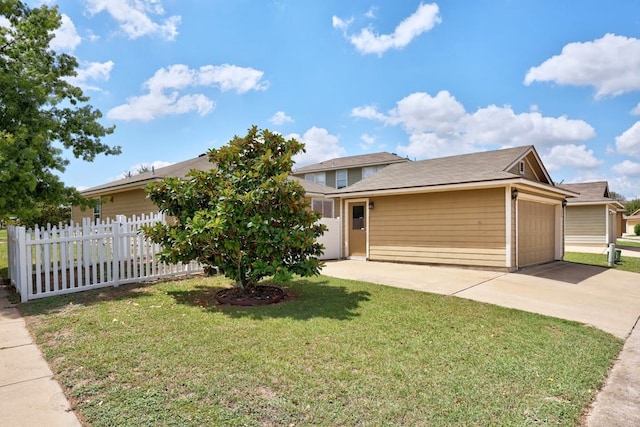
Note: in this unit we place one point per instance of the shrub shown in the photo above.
(636, 229)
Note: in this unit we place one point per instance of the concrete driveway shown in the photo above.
(608, 299)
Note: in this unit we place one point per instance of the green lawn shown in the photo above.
(627, 243)
(337, 353)
(3, 254)
(627, 263)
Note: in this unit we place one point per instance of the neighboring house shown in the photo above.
(495, 209)
(345, 171)
(631, 221)
(592, 217)
(127, 196)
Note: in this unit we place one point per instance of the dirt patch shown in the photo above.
(254, 295)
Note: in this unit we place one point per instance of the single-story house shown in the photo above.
(345, 171)
(494, 209)
(127, 196)
(631, 221)
(592, 217)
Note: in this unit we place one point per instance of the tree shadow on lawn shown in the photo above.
(88, 297)
(304, 300)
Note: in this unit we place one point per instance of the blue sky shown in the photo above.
(423, 80)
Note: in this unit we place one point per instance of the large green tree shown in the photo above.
(41, 113)
(245, 216)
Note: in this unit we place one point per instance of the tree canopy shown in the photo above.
(245, 216)
(41, 113)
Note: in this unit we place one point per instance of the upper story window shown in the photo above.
(341, 178)
(370, 170)
(317, 177)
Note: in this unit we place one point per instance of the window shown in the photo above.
(341, 178)
(323, 206)
(97, 210)
(357, 217)
(317, 177)
(370, 170)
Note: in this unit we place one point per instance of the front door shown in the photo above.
(357, 230)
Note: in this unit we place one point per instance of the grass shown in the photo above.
(627, 263)
(627, 243)
(336, 353)
(4, 263)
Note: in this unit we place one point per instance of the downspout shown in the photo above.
(607, 236)
(515, 197)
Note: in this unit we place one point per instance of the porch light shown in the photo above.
(564, 203)
(514, 194)
(371, 205)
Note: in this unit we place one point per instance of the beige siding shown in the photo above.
(459, 227)
(536, 233)
(631, 223)
(128, 203)
(586, 224)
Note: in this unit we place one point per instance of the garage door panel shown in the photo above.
(536, 233)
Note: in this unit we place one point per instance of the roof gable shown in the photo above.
(363, 160)
(461, 169)
(589, 192)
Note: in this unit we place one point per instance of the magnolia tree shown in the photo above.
(245, 216)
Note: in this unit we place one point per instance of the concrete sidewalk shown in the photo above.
(608, 299)
(30, 394)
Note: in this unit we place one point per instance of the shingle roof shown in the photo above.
(465, 168)
(382, 158)
(312, 188)
(179, 170)
(589, 192)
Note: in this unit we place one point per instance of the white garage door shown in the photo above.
(536, 233)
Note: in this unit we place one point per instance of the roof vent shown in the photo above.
(521, 167)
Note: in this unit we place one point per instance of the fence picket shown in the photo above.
(74, 257)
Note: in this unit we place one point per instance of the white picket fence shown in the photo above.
(77, 257)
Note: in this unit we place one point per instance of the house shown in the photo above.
(495, 209)
(127, 196)
(631, 221)
(345, 171)
(592, 217)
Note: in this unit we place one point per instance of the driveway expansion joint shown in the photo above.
(477, 284)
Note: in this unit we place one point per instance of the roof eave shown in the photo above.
(453, 186)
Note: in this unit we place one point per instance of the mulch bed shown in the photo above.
(255, 295)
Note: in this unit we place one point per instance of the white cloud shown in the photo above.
(368, 141)
(371, 13)
(571, 155)
(320, 145)
(341, 24)
(280, 118)
(609, 64)
(232, 77)
(422, 20)
(96, 71)
(154, 105)
(65, 37)
(623, 185)
(627, 168)
(636, 110)
(135, 17)
(158, 103)
(629, 141)
(439, 125)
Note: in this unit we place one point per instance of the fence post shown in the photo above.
(21, 237)
(117, 265)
